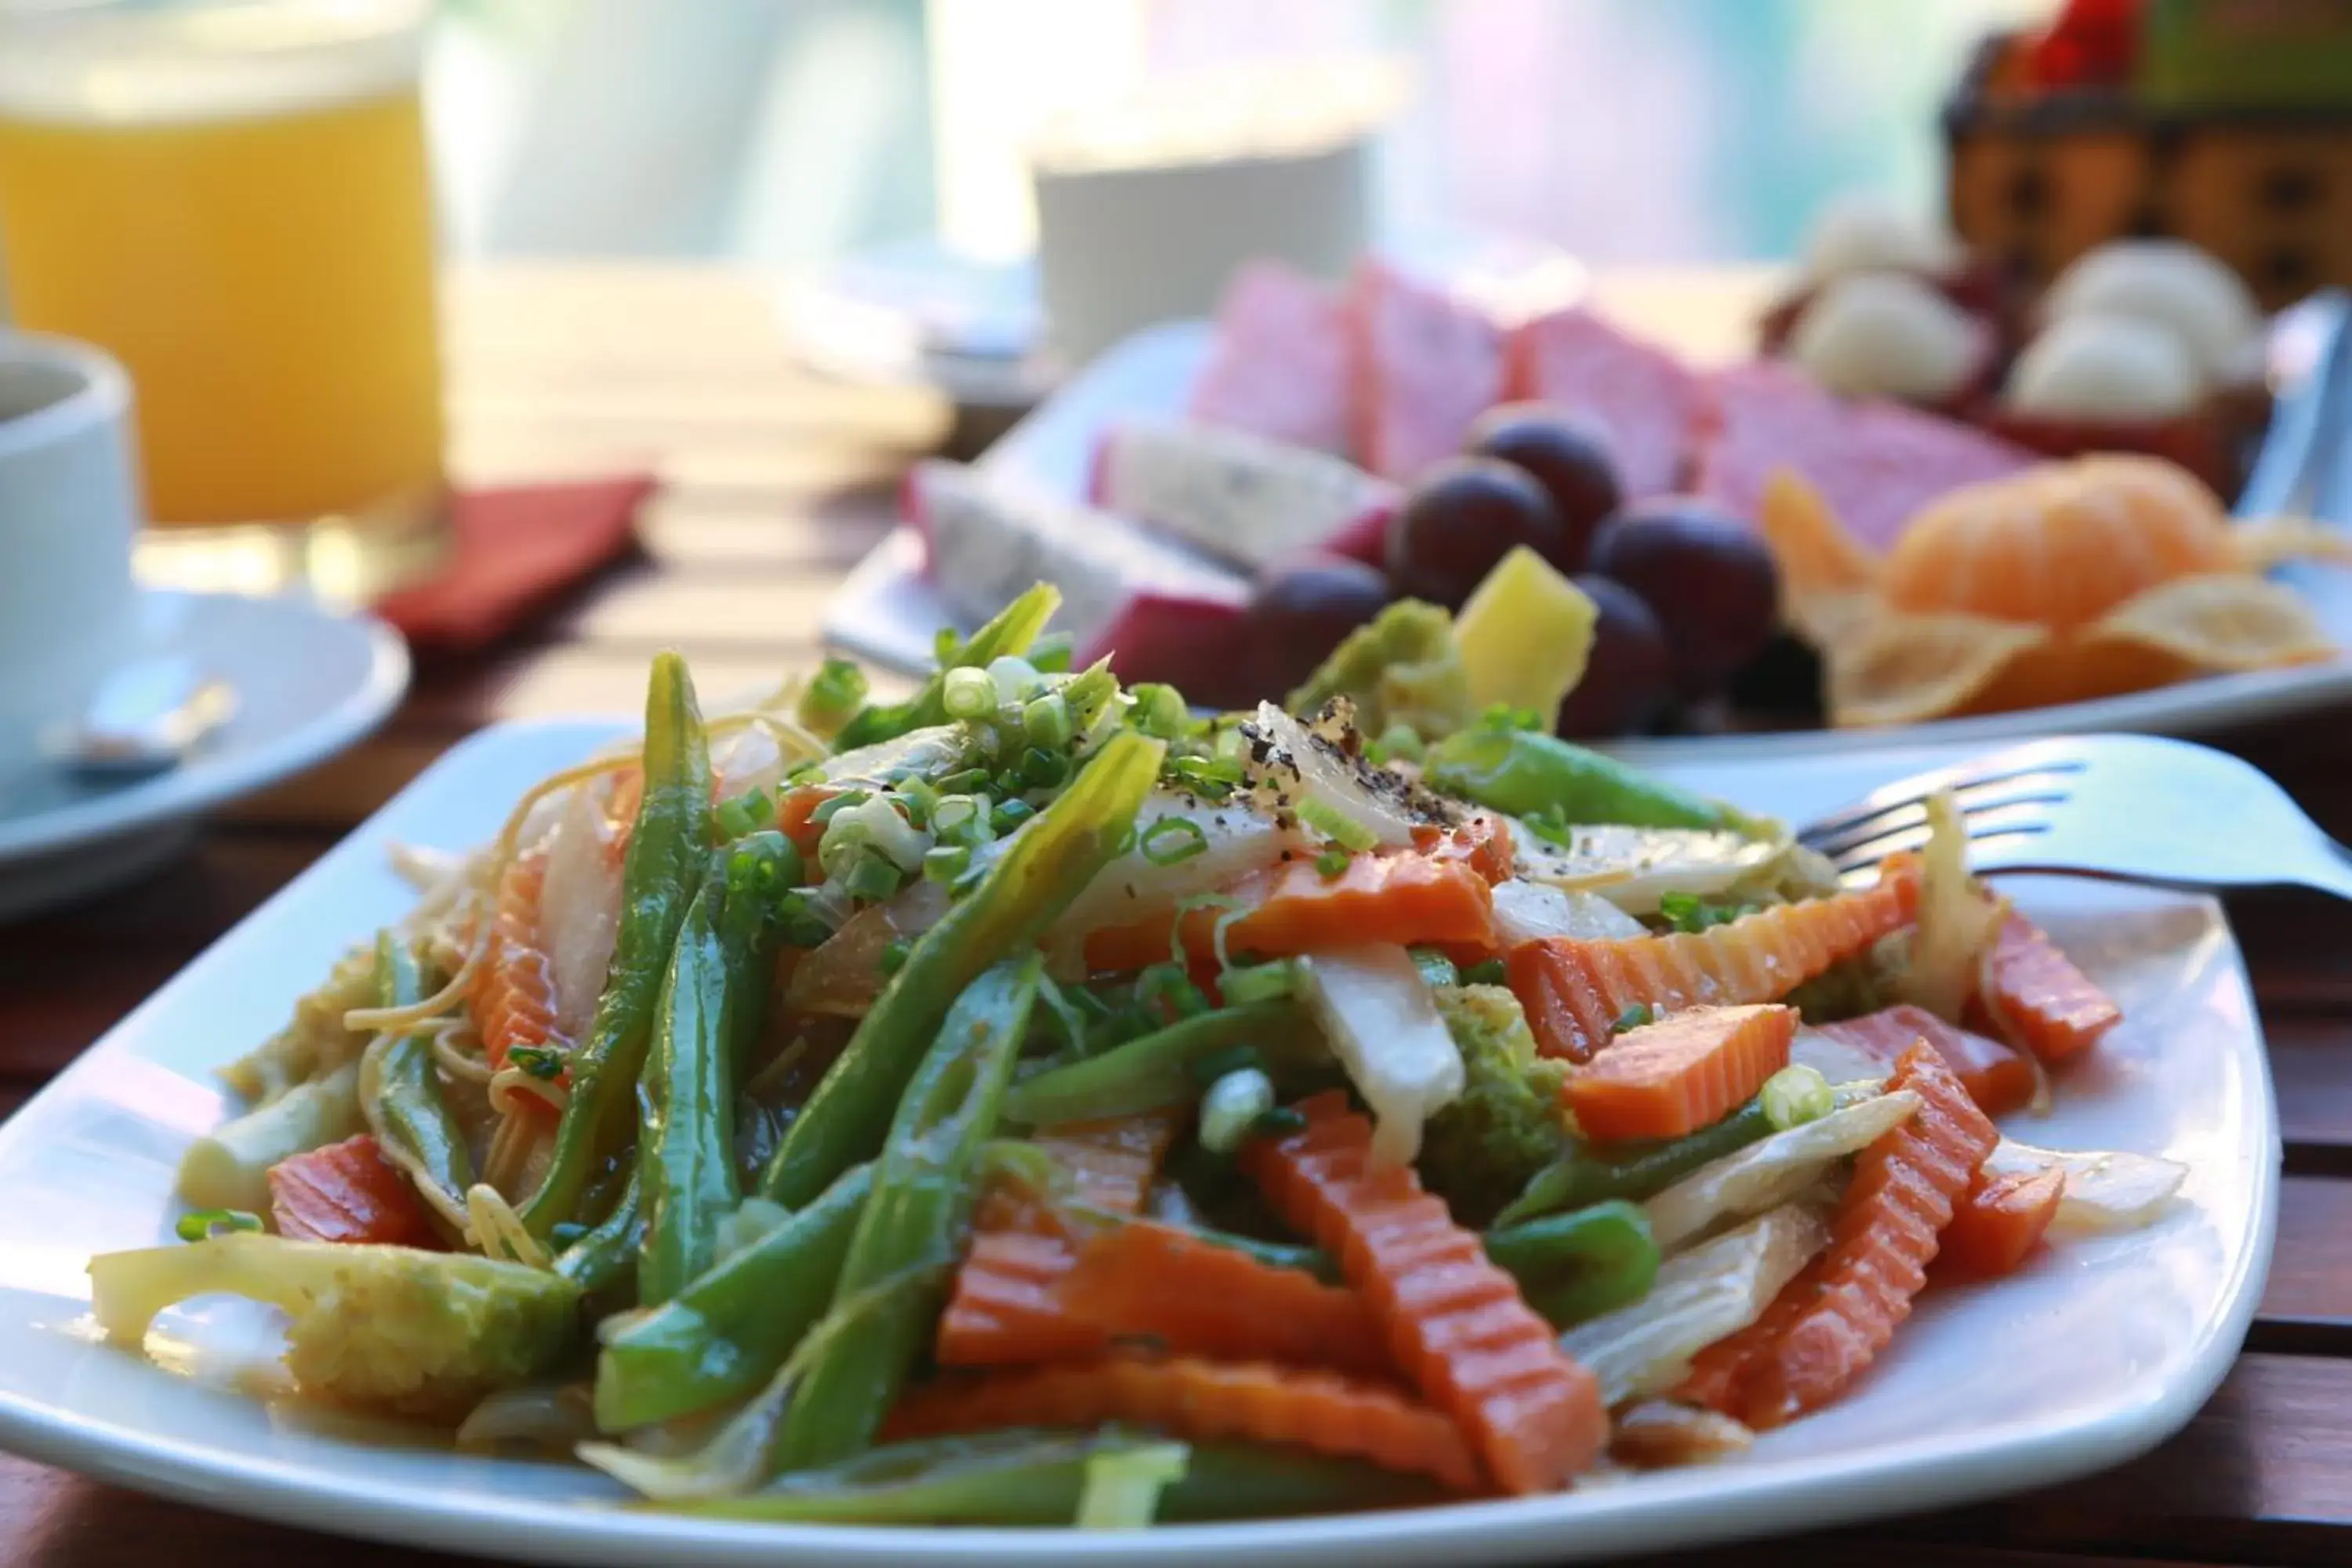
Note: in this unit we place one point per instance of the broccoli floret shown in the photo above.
(1401, 667)
(384, 1328)
(1478, 1152)
(314, 1042)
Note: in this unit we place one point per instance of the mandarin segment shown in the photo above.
(1829, 579)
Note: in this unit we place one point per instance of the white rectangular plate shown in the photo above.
(888, 610)
(2096, 1353)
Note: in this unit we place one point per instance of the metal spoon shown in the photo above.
(146, 718)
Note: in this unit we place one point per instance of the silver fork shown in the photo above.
(2134, 807)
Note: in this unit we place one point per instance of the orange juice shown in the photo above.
(241, 213)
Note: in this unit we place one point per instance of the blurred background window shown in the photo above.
(795, 131)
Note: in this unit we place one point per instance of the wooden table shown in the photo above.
(775, 483)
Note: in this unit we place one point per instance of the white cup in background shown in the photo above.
(68, 511)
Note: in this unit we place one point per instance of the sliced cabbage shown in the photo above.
(923, 754)
(1384, 1026)
(1704, 1295)
(2106, 1190)
(1289, 763)
(1525, 911)
(1958, 920)
(1235, 840)
(1633, 867)
(1767, 1173)
(580, 911)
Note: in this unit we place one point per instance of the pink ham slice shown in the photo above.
(1280, 365)
(1427, 364)
(1876, 464)
(1640, 396)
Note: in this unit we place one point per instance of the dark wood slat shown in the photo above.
(182, 907)
(2307, 1304)
(2311, 1068)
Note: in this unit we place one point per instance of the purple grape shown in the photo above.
(1461, 517)
(1302, 608)
(1568, 456)
(1628, 675)
(1710, 579)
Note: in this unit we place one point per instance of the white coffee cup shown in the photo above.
(70, 508)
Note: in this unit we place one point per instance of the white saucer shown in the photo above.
(309, 681)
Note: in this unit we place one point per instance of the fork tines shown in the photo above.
(2008, 802)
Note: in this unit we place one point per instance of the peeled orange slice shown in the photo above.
(2218, 621)
(1829, 579)
(1899, 669)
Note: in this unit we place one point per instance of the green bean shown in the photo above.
(1151, 1071)
(605, 1257)
(1034, 881)
(723, 1335)
(1012, 631)
(760, 869)
(1578, 1265)
(685, 1102)
(1036, 1477)
(1531, 774)
(402, 1090)
(1583, 1176)
(914, 1222)
(658, 879)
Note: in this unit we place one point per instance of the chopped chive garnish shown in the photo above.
(943, 863)
(208, 1222)
(542, 1062)
(871, 877)
(968, 693)
(1279, 1123)
(834, 806)
(1010, 814)
(1332, 862)
(1633, 1018)
(1173, 840)
(1259, 981)
(1335, 825)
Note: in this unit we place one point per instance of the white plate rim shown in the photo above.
(1710, 1504)
(886, 610)
(210, 778)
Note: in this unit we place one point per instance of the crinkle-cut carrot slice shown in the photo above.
(1998, 1221)
(1829, 1323)
(1456, 1323)
(1575, 991)
(1200, 1401)
(1481, 840)
(1406, 897)
(1003, 1308)
(1193, 1297)
(1687, 1070)
(2037, 998)
(1998, 1078)
(514, 995)
(348, 1192)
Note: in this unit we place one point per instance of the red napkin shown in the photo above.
(516, 547)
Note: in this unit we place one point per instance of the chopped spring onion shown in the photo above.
(1332, 862)
(873, 824)
(1225, 1063)
(894, 956)
(947, 646)
(1232, 1107)
(833, 806)
(744, 814)
(968, 693)
(1214, 778)
(541, 1062)
(1042, 769)
(1633, 1018)
(1051, 653)
(943, 863)
(1335, 825)
(205, 1223)
(1122, 1487)
(1010, 814)
(1397, 743)
(1436, 969)
(1689, 912)
(1796, 1095)
(1279, 1123)
(1017, 679)
(1159, 711)
(1047, 721)
(834, 696)
(1173, 839)
(799, 922)
(963, 782)
(1168, 985)
(961, 819)
(872, 878)
(1490, 973)
(919, 798)
(1259, 981)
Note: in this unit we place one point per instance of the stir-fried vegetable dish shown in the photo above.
(1032, 1103)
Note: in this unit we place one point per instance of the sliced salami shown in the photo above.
(1641, 398)
(1876, 464)
(1280, 366)
(1427, 364)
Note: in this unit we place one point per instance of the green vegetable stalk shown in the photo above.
(658, 879)
(1034, 881)
(685, 1100)
(1153, 1070)
(402, 1091)
(728, 1330)
(1527, 774)
(1015, 627)
(1583, 1176)
(1578, 1265)
(913, 1223)
(606, 1256)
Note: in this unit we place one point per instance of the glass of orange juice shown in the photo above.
(232, 196)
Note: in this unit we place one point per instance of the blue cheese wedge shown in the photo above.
(989, 541)
(1240, 497)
